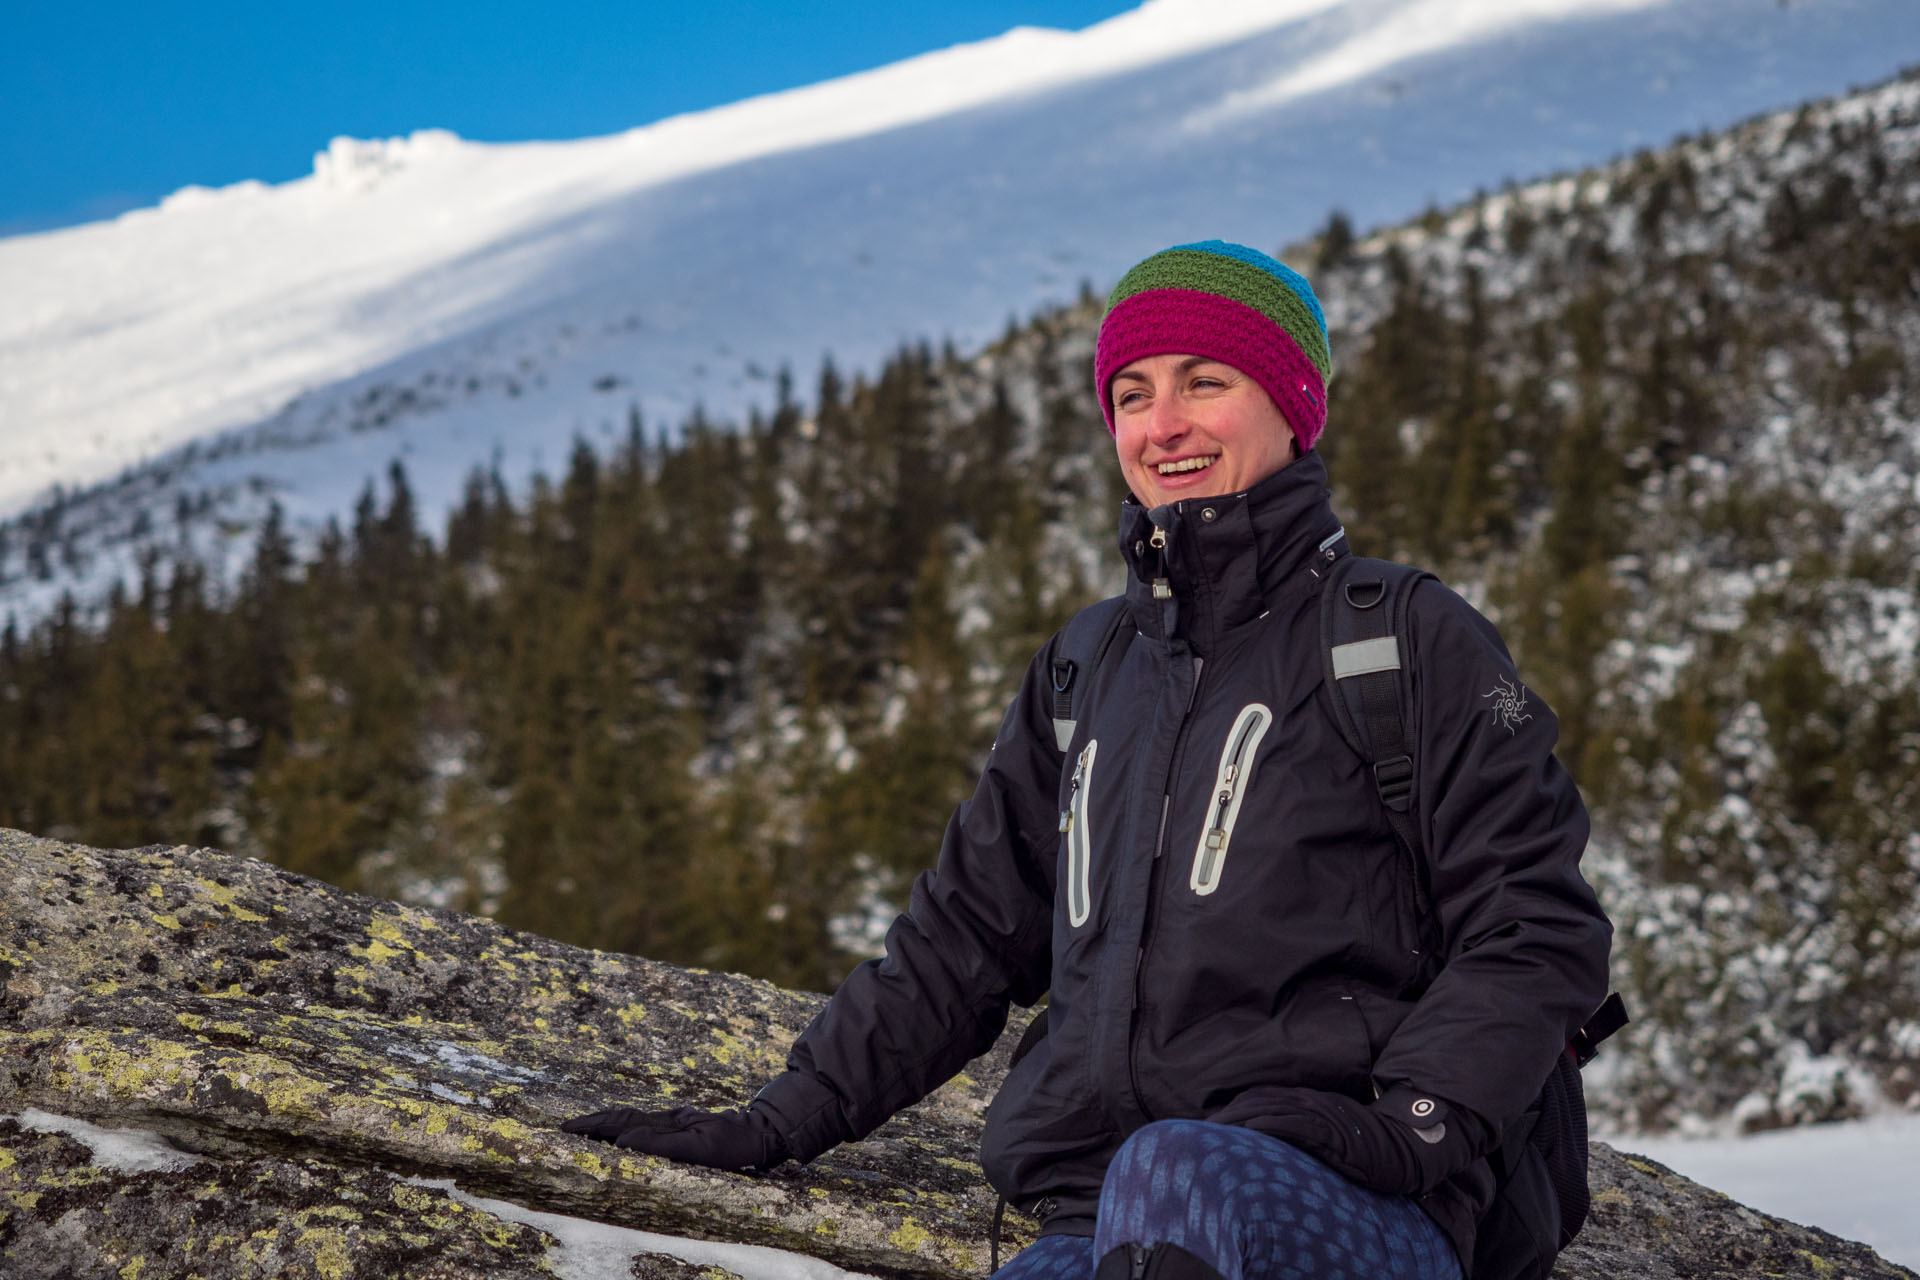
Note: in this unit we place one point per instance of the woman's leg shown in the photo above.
(1251, 1207)
(1051, 1258)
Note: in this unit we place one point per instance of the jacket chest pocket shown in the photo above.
(1231, 782)
(1076, 824)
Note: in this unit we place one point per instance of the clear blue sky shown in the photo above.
(105, 107)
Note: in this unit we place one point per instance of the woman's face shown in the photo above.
(1190, 427)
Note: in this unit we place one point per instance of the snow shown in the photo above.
(444, 301)
(122, 1150)
(588, 1250)
(1414, 31)
(1857, 1179)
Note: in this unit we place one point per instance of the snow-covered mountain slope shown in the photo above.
(447, 302)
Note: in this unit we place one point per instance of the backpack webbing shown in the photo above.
(1083, 645)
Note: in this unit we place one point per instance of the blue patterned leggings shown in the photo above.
(1251, 1206)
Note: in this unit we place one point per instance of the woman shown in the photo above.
(1253, 1065)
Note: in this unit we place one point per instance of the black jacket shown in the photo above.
(1183, 975)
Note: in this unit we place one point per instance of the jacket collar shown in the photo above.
(1226, 560)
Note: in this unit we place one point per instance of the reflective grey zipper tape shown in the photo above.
(1229, 792)
(1080, 840)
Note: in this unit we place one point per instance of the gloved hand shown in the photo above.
(1404, 1143)
(740, 1139)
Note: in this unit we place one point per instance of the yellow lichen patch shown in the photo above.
(330, 1256)
(1820, 1265)
(386, 928)
(1612, 1195)
(295, 1096)
(167, 922)
(826, 1227)
(632, 1015)
(224, 898)
(6, 1160)
(726, 1045)
(589, 1163)
(133, 1269)
(92, 1054)
(1643, 1166)
(83, 1176)
(25, 1201)
(818, 1193)
(106, 988)
(909, 1236)
(153, 891)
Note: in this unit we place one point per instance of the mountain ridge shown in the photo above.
(689, 294)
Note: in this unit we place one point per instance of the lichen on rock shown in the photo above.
(311, 1044)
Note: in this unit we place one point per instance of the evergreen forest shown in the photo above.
(711, 694)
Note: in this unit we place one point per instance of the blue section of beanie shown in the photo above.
(1272, 266)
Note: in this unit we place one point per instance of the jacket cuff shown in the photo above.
(805, 1113)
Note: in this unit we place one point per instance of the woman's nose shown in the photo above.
(1167, 419)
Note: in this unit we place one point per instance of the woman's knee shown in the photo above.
(1051, 1258)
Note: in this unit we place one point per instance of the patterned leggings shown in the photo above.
(1250, 1206)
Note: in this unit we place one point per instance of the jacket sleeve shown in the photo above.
(976, 937)
(1524, 940)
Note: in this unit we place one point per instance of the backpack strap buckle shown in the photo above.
(1394, 778)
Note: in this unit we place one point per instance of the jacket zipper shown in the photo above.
(1153, 888)
(1230, 789)
(1076, 825)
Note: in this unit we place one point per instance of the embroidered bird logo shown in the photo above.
(1508, 703)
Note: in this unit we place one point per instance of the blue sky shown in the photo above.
(105, 107)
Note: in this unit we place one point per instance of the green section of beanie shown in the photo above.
(1239, 281)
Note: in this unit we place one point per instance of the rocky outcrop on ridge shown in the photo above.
(334, 1079)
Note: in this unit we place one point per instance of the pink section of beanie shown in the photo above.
(1188, 322)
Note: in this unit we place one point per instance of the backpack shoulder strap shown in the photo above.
(1363, 627)
(1083, 645)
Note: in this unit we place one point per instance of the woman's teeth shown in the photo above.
(1187, 464)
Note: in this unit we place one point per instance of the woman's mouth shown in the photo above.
(1187, 464)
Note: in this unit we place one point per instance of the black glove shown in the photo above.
(739, 1139)
(1405, 1143)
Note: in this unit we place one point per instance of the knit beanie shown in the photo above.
(1228, 303)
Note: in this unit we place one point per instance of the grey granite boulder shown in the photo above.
(326, 1060)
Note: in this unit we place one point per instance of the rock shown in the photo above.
(67, 1215)
(314, 1048)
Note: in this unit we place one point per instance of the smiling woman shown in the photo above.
(1336, 1011)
